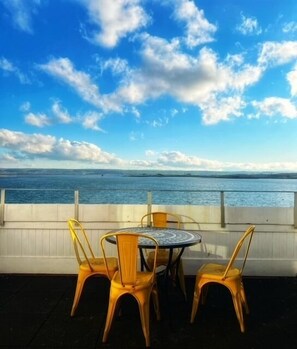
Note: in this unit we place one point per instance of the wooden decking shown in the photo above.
(35, 313)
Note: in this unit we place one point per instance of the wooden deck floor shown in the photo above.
(35, 313)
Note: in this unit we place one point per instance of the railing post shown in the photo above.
(2, 203)
(149, 206)
(223, 223)
(76, 204)
(295, 210)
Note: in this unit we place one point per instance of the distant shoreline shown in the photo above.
(6, 172)
(229, 175)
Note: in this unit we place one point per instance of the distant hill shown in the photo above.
(4, 172)
(231, 175)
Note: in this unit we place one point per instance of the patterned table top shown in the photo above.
(166, 237)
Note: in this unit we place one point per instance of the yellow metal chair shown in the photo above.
(129, 280)
(163, 220)
(226, 275)
(89, 265)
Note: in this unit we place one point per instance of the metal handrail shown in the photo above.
(149, 198)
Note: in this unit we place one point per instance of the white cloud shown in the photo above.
(249, 26)
(38, 120)
(135, 136)
(199, 80)
(180, 161)
(64, 70)
(116, 19)
(27, 143)
(198, 29)
(61, 113)
(150, 153)
(27, 149)
(290, 27)
(21, 12)
(135, 112)
(91, 119)
(277, 53)
(222, 109)
(45, 146)
(275, 106)
(116, 65)
(292, 78)
(25, 107)
(214, 86)
(9, 68)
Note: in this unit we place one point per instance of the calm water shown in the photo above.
(116, 187)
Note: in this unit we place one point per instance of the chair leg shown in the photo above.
(196, 298)
(144, 310)
(81, 278)
(179, 274)
(156, 303)
(109, 317)
(238, 310)
(204, 292)
(243, 299)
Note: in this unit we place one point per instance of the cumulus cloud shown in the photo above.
(215, 87)
(27, 143)
(180, 161)
(61, 113)
(64, 70)
(22, 12)
(91, 119)
(35, 147)
(200, 80)
(222, 109)
(114, 19)
(198, 29)
(292, 78)
(116, 65)
(249, 26)
(277, 53)
(25, 107)
(276, 106)
(45, 146)
(9, 68)
(290, 27)
(38, 120)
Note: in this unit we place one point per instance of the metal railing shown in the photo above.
(149, 198)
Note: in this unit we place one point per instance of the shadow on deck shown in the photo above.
(35, 313)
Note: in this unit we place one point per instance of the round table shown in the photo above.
(167, 238)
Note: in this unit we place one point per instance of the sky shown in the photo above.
(149, 84)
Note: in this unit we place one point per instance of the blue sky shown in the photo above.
(152, 84)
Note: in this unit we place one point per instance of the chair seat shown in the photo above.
(88, 263)
(99, 266)
(227, 275)
(128, 279)
(162, 257)
(216, 271)
(143, 280)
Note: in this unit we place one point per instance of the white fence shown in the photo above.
(34, 238)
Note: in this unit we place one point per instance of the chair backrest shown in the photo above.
(246, 240)
(160, 219)
(128, 254)
(82, 246)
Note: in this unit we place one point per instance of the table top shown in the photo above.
(166, 237)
